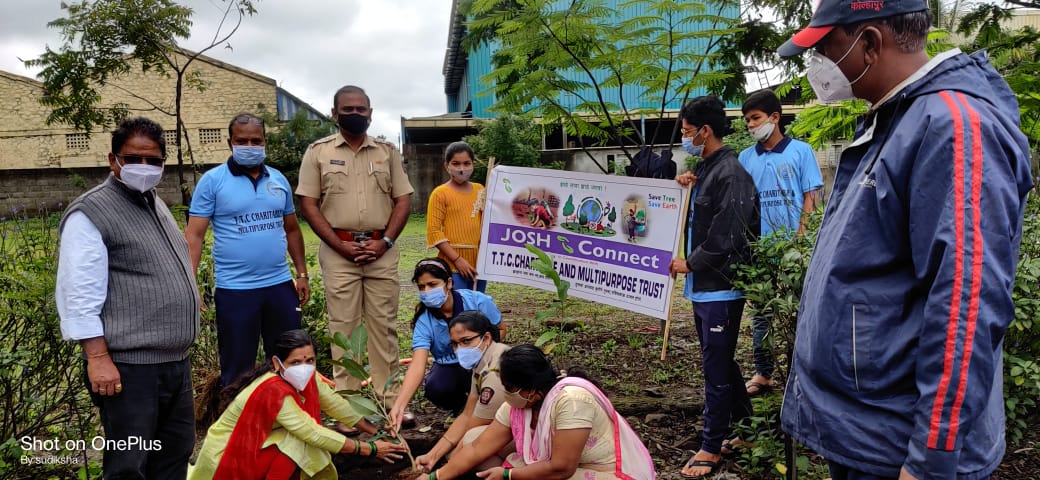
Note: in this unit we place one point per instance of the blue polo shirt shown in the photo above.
(249, 244)
(782, 176)
(431, 329)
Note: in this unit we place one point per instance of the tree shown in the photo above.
(1016, 56)
(286, 143)
(510, 139)
(104, 39)
(549, 52)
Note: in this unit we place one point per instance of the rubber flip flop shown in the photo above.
(733, 447)
(714, 466)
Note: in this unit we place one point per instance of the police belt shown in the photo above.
(353, 236)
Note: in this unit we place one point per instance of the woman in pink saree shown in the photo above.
(563, 427)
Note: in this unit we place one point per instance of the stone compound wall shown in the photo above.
(46, 190)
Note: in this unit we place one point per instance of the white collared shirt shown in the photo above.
(82, 283)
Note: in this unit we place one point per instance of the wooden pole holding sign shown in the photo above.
(679, 248)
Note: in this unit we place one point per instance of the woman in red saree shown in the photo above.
(272, 429)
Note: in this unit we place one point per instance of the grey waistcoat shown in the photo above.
(151, 312)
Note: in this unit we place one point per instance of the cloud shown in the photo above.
(394, 49)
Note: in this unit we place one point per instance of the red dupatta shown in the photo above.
(243, 457)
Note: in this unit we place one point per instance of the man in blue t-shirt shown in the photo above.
(787, 177)
(254, 223)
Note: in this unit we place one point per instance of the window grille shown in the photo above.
(170, 136)
(210, 135)
(77, 141)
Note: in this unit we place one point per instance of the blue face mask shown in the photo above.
(433, 298)
(695, 150)
(470, 356)
(248, 156)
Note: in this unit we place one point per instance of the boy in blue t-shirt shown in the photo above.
(788, 177)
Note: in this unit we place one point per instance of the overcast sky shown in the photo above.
(394, 49)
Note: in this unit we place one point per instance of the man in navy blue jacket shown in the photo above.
(897, 365)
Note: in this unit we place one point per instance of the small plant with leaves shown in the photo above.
(559, 312)
(368, 401)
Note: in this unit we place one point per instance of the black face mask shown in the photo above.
(353, 123)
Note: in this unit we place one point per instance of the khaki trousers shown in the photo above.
(372, 292)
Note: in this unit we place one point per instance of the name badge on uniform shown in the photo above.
(338, 162)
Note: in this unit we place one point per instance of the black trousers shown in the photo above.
(726, 401)
(447, 386)
(244, 317)
(149, 428)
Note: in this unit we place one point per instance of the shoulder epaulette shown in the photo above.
(324, 140)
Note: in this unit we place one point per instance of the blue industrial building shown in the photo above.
(470, 95)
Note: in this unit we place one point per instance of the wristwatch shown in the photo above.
(301, 275)
(389, 241)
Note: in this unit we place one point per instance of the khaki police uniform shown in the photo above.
(487, 386)
(356, 192)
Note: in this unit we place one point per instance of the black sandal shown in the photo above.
(714, 466)
(735, 446)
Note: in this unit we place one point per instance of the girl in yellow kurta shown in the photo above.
(454, 215)
(272, 427)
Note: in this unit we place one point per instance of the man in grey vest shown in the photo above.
(125, 291)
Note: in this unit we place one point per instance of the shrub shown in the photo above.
(42, 392)
(772, 284)
(1022, 342)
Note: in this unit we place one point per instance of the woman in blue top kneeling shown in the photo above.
(447, 384)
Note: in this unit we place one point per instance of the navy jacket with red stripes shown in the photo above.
(897, 359)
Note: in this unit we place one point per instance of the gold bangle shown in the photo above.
(301, 275)
(97, 355)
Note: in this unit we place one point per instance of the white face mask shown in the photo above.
(763, 131)
(517, 401)
(297, 375)
(826, 79)
(140, 176)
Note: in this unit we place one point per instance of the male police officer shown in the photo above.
(355, 195)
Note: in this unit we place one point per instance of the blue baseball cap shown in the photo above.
(832, 13)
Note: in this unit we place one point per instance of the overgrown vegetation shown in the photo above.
(772, 285)
(1022, 343)
(43, 396)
